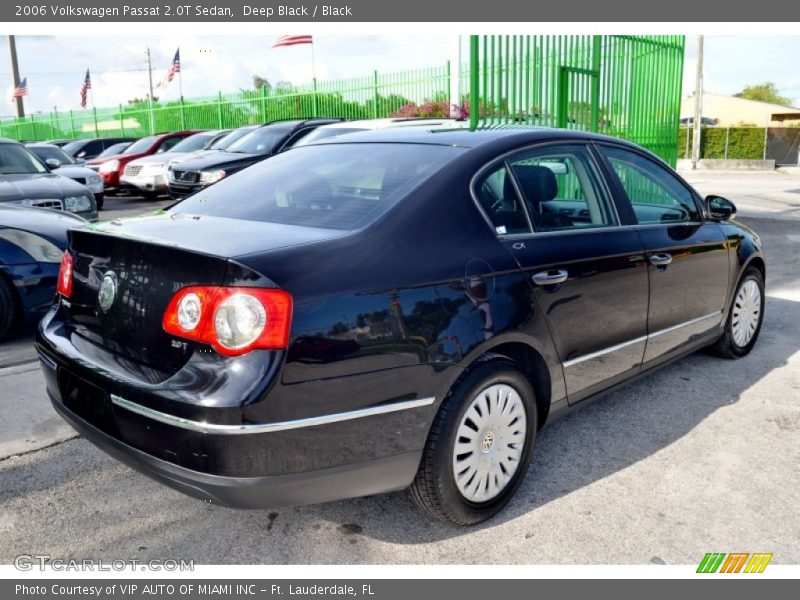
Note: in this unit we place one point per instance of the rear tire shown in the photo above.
(493, 445)
(9, 309)
(99, 200)
(745, 317)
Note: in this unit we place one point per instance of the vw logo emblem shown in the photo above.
(108, 291)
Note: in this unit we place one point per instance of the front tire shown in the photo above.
(479, 446)
(745, 317)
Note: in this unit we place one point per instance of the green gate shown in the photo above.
(624, 86)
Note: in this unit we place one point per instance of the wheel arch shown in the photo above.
(531, 362)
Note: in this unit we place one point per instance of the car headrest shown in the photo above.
(538, 183)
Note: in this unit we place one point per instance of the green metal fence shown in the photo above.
(372, 96)
(625, 86)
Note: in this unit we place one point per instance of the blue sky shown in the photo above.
(55, 65)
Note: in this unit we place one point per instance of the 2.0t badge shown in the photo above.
(108, 291)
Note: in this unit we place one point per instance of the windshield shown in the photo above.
(143, 145)
(323, 133)
(16, 160)
(234, 136)
(194, 142)
(114, 150)
(330, 186)
(73, 147)
(259, 141)
(47, 152)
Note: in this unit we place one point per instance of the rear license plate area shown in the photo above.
(89, 402)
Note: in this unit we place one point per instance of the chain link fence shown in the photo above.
(781, 144)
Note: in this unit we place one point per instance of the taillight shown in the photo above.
(64, 286)
(234, 320)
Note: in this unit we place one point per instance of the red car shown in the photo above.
(111, 167)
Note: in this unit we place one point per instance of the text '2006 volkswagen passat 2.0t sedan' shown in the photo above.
(390, 309)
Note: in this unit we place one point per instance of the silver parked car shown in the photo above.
(61, 163)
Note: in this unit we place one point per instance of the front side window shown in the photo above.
(555, 188)
(655, 194)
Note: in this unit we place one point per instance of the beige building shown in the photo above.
(730, 111)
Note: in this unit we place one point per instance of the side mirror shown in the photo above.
(719, 208)
(52, 163)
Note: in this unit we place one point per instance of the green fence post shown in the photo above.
(33, 131)
(183, 116)
(375, 95)
(94, 115)
(121, 120)
(263, 103)
(16, 128)
(314, 103)
(219, 110)
(597, 49)
(71, 124)
(474, 89)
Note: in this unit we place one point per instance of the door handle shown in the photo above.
(551, 277)
(661, 260)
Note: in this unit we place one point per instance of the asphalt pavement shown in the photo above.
(702, 456)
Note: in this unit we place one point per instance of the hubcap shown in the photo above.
(489, 443)
(746, 313)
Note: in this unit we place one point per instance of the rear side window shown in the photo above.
(554, 188)
(655, 194)
(331, 186)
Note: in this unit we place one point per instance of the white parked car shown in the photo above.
(61, 163)
(147, 176)
(344, 127)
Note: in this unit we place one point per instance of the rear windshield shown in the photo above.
(331, 186)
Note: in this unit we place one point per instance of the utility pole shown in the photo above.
(150, 79)
(12, 50)
(698, 104)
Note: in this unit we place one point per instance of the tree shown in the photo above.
(764, 92)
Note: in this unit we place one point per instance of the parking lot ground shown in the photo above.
(698, 457)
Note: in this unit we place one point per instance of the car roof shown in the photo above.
(464, 138)
(295, 123)
(370, 124)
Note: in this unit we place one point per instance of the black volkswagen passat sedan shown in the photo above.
(196, 173)
(390, 309)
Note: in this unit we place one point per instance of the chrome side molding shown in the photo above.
(245, 428)
(638, 340)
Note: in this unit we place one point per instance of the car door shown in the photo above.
(687, 256)
(587, 273)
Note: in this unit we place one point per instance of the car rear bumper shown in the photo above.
(199, 432)
(357, 479)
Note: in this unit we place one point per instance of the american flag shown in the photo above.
(21, 90)
(292, 40)
(174, 68)
(87, 85)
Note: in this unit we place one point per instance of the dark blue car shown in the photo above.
(32, 242)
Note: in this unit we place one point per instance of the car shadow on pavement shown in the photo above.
(90, 495)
